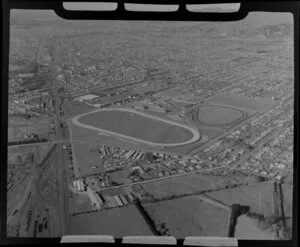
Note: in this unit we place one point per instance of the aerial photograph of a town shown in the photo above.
(150, 128)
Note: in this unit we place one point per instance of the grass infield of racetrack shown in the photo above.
(217, 115)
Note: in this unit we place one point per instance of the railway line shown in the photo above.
(35, 204)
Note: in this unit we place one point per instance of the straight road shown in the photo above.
(162, 178)
(61, 160)
(35, 144)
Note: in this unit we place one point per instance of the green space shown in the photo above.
(74, 107)
(17, 129)
(247, 229)
(118, 222)
(87, 159)
(137, 126)
(189, 216)
(258, 197)
(254, 104)
(193, 183)
(217, 115)
(79, 203)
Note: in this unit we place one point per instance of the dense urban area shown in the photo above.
(180, 128)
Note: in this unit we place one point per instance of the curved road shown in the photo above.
(196, 134)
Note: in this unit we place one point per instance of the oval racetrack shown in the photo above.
(138, 127)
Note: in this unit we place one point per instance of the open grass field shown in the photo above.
(170, 116)
(217, 115)
(74, 107)
(240, 102)
(87, 158)
(135, 125)
(247, 229)
(18, 128)
(190, 216)
(210, 131)
(90, 136)
(79, 203)
(118, 222)
(259, 197)
(192, 183)
(156, 112)
(38, 151)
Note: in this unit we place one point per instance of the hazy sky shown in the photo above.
(112, 6)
